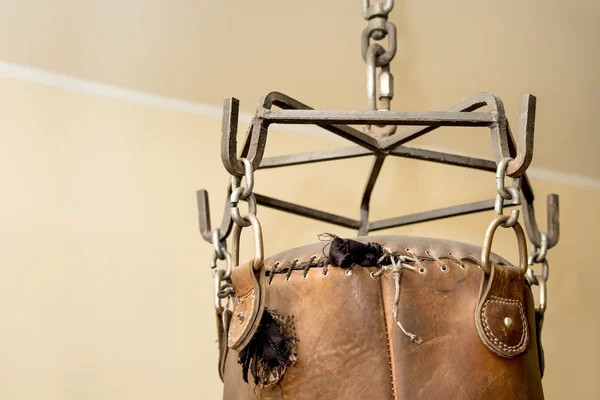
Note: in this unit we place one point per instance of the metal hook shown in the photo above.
(531, 225)
(204, 216)
(524, 150)
(256, 136)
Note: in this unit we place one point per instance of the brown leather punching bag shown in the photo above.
(475, 333)
(381, 317)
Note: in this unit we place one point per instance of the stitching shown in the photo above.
(323, 263)
(524, 336)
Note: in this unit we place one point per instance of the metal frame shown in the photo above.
(292, 111)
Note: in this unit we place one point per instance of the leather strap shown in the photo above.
(222, 329)
(248, 305)
(500, 314)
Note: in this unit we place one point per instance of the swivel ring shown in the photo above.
(487, 244)
(259, 253)
(379, 8)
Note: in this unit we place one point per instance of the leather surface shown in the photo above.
(501, 297)
(342, 347)
(351, 348)
(248, 305)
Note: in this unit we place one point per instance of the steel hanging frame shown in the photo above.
(291, 111)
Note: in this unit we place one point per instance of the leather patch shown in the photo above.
(500, 315)
(511, 337)
(248, 306)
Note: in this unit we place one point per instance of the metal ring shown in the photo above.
(235, 211)
(545, 267)
(499, 207)
(487, 244)
(249, 174)
(228, 266)
(259, 256)
(500, 175)
(387, 55)
(541, 256)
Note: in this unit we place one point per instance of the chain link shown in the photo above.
(376, 56)
(506, 193)
(239, 192)
(223, 286)
(539, 257)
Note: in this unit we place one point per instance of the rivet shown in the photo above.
(242, 316)
(508, 322)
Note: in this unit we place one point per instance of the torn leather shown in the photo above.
(271, 351)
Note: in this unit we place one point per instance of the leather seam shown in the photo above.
(320, 263)
(524, 336)
(387, 342)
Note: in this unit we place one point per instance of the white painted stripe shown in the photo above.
(43, 77)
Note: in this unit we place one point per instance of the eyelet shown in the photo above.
(348, 272)
(444, 268)
(422, 270)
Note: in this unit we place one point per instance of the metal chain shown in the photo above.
(538, 256)
(376, 56)
(223, 286)
(239, 192)
(506, 193)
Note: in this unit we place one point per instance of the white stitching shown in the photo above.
(315, 262)
(524, 336)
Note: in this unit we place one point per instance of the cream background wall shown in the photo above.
(105, 289)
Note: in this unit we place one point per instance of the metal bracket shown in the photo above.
(292, 111)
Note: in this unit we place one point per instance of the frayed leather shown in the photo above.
(271, 351)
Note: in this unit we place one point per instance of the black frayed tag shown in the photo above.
(271, 351)
(346, 253)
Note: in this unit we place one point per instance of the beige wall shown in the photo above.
(105, 289)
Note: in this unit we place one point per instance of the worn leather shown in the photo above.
(248, 305)
(222, 330)
(501, 297)
(351, 348)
